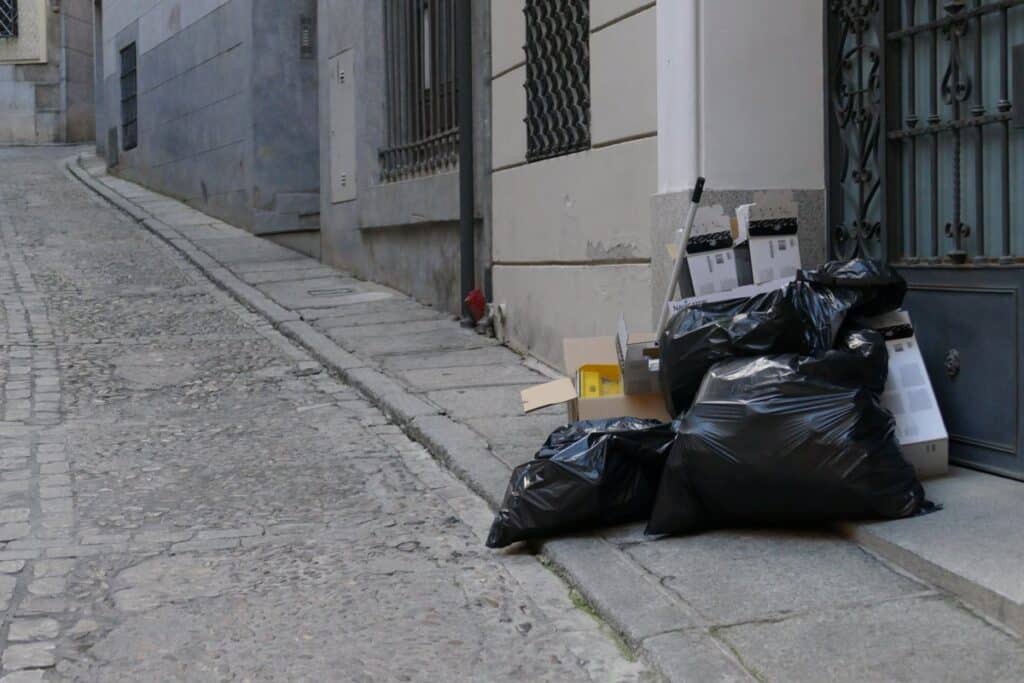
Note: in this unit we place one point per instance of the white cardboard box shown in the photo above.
(910, 398)
(737, 293)
(769, 226)
(709, 255)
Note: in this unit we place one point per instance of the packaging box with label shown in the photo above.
(737, 293)
(709, 255)
(593, 389)
(768, 230)
(910, 398)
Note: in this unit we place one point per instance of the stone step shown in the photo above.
(973, 547)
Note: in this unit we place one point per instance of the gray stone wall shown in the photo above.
(226, 111)
(404, 234)
(77, 41)
(194, 131)
(52, 100)
(286, 167)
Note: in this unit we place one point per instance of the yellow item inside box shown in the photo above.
(598, 381)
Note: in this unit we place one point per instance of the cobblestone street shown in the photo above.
(187, 495)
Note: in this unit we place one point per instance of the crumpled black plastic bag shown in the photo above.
(699, 336)
(805, 318)
(587, 474)
(877, 286)
(827, 296)
(788, 439)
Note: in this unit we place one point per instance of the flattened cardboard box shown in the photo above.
(591, 351)
(910, 398)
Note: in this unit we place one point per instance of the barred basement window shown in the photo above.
(557, 77)
(129, 100)
(8, 18)
(422, 131)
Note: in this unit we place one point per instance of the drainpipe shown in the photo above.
(464, 92)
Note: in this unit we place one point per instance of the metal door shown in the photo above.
(926, 170)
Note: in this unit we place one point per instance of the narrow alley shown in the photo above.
(187, 495)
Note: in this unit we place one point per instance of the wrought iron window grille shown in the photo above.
(129, 97)
(421, 126)
(921, 123)
(557, 77)
(8, 18)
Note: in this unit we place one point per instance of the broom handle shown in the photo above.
(681, 243)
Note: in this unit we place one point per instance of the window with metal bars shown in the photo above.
(422, 131)
(129, 98)
(8, 18)
(557, 77)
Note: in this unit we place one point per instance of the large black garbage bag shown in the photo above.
(827, 296)
(699, 336)
(587, 474)
(805, 317)
(788, 439)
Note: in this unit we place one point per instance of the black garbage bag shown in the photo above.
(805, 318)
(699, 336)
(877, 288)
(587, 474)
(827, 296)
(788, 439)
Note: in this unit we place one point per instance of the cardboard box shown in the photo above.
(635, 352)
(768, 228)
(584, 352)
(709, 255)
(737, 293)
(910, 398)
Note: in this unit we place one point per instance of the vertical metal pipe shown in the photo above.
(402, 60)
(453, 117)
(464, 92)
(1004, 106)
(435, 34)
(392, 106)
(934, 118)
(417, 79)
(911, 122)
(979, 158)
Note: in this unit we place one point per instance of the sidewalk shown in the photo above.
(730, 605)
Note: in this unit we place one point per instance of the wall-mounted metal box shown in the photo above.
(342, 113)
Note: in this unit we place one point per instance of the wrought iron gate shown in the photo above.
(926, 170)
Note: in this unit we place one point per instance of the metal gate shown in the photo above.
(926, 170)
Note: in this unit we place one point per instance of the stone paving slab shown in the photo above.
(686, 604)
(470, 376)
(922, 640)
(454, 339)
(974, 548)
(735, 577)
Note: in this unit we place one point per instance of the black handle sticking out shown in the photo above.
(698, 190)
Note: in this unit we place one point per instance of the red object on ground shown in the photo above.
(476, 304)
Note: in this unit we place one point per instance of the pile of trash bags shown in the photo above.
(779, 422)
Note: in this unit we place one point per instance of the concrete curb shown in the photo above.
(621, 593)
